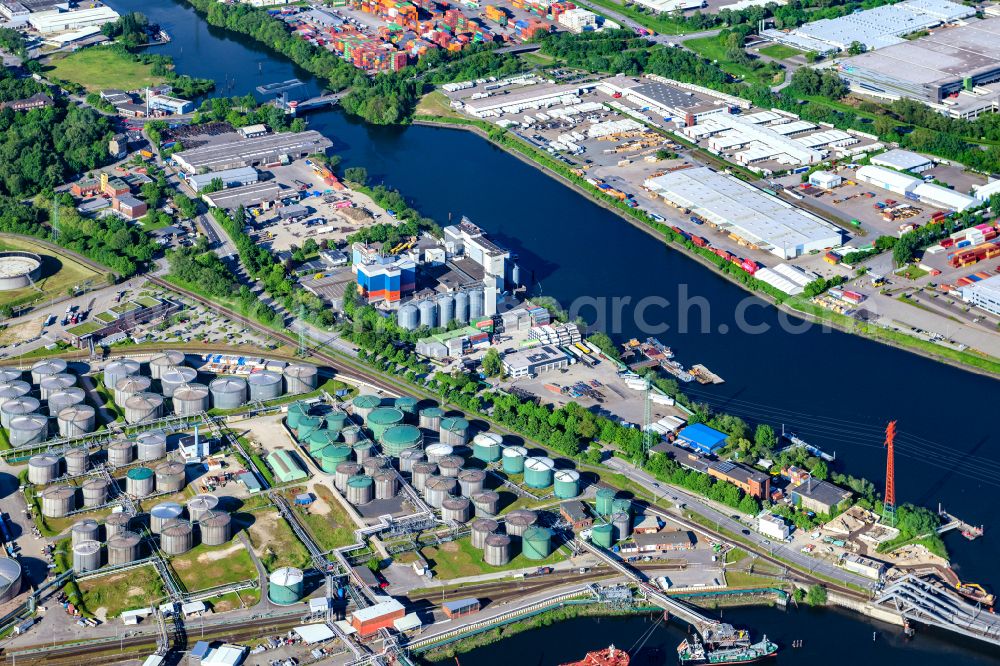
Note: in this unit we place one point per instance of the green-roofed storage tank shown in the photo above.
(486, 446)
(296, 411)
(383, 418)
(335, 421)
(605, 501)
(332, 456)
(406, 404)
(360, 489)
(602, 535)
(567, 483)
(538, 472)
(364, 404)
(307, 424)
(430, 418)
(536, 543)
(621, 505)
(320, 439)
(454, 431)
(398, 438)
(513, 459)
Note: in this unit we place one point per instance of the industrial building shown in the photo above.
(984, 294)
(701, 438)
(864, 566)
(537, 96)
(753, 483)
(286, 468)
(535, 361)
(662, 542)
(915, 188)
(772, 526)
(130, 207)
(57, 20)
(460, 607)
(174, 105)
(903, 160)
(254, 194)
(240, 151)
(467, 240)
(576, 514)
(743, 210)
(669, 6)
(680, 103)
(228, 178)
(555, 334)
(367, 621)
(381, 277)
(819, 496)
(787, 278)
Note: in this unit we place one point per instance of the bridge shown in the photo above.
(295, 107)
(929, 602)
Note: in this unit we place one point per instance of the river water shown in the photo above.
(836, 390)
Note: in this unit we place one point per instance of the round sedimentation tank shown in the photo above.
(603, 535)
(264, 386)
(301, 378)
(477, 303)
(123, 548)
(438, 488)
(28, 429)
(471, 481)
(18, 407)
(10, 374)
(364, 404)
(12, 391)
(430, 418)
(450, 466)
(57, 501)
(199, 505)
(64, 399)
(351, 435)
(538, 472)
(421, 472)
(77, 420)
(332, 456)
(10, 579)
(406, 404)
(519, 521)
(43, 468)
(141, 407)
(372, 465)
(496, 550)
(408, 317)
(343, 474)
(621, 505)
(119, 369)
(462, 307)
(320, 439)
(87, 529)
(52, 366)
(163, 360)
(536, 543)
(95, 492)
(513, 459)
(567, 483)
(306, 426)
(151, 446)
(177, 537)
(128, 386)
(54, 383)
(120, 453)
(408, 457)
(487, 503)
(446, 309)
(383, 418)
(386, 484)
(77, 461)
(436, 452)
(486, 446)
(216, 528)
(605, 501)
(428, 313)
(360, 489)
(399, 438)
(116, 523)
(458, 509)
(170, 477)
(284, 586)
(482, 528)
(622, 524)
(164, 513)
(140, 481)
(228, 392)
(362, 451)
(296, 411)
(191, 399)
(174, 378)
(87, 556)
(454, 431)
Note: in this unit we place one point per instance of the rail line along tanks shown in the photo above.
(58, 501)
(496, 550)
(191, 399)
(140, 482)
(162, 514)
(163, 360)
(172, 379)
(365, 404)
(77, 461)
(300, 378)
(177, 537)
(264, 385)
(44, 368)
(87, 556)
(67, 397)
(141, 407)
(457, 509)
(487, 503)
(513, 459)
(482, 528)
(76, 420)
(360, 490)
(151, 446)
(129, 386)
(471, 481)
(216, 528)
(87, 529)
(43, 468)
(228, 392)
(95, 492)
(486, 446)
(124, 548)
(119, 369)
(454, 430)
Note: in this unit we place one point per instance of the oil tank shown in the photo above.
(373, 464)
(513, 459)
(57, 501)
(173, 378)
(12, 391)
(10, 374)
(408, 457)
(320, 439)
(622, 524)
(87, 529)
(487, 503)
(120, 453)
(605, 501)
(163, 360)
(567, 483)
(118, 369)
(177, 537)
(536, 543)
(386, 484)
(362, 451)
(486, 446)
(10, 579)
(284, 586)
(151, 445)
(364, 404)
(438, 488)
(351, 435)
(430, 418)
(496, 550)
(428, 313)
(458, 509)
(519, 521)
(123, 548)
(360, 489)
(264, 386)
(140, 481)
(87, 556)
(406, 404)
(77, 420)
(170, 477)
(538, 472)
(421, 472)
(446, 309)
(201, 504)
(127, 386)
(77, 461)
(163, 514)
(190, 399)
(228, 392)
(471, 481)
(28, 429)
(436, 452)
(296, 411)
(482, 528)
(68, 397)
(621, 505)
(18, 407)
(398, 438)
(301, 378)
(95, 492)
(216, 528)
(477, 301)
(307, 425)
(116, 523)
(602, 535)
(44, 468)
(55, 383)
(381, 419)
(454, 431)
(408, 317)
(143, 407)
(52, 366)
(344, 472)
(462, 307)
(332, 456)
(450, 466)
(335, 421)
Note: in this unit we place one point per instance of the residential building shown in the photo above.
(702, 439)
(535, 361)
(772, 526)
(753, 483)
(576, 513)
(819, 496)
(367, 621)
(118, 146)
(36, 101)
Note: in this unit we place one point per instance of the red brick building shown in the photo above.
(368, 621)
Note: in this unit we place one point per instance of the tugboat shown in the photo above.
(609, 656)
(693, 651)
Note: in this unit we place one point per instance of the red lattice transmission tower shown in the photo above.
(889, 502)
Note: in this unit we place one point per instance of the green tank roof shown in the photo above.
(454, 423)
(139, 473)
(367, 401)
(406, 404)
(385, 416)
(432, 412)
(360, 481)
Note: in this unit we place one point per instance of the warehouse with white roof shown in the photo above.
(915, 188)
(903, 160)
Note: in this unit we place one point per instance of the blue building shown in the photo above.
(387, 278)
(702, 439)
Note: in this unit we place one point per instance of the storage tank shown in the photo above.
(201, 504)
(216, 528)
(87, 529)
(351, 435)
(128, 386)
(332, 456)
(471, 481)
(10, 579)
(120, 453)
(57, 501)
(52, 366)
(116, 523)
(513, 459)
(430, 418)
(421, 472)
(428, 313)
(264, 386)
(477, 304)
(408, 317)
(438, 488)
(536, 543)
(446, 309)
(307, 426)
(296, 411)
(18, 407)
(164, 513)
(406, 404)
(538, 472)
(621, 505)
(124, 548)
(454, 431)
(363, 405)
(151, 445)
(436, 452)
(284, 586)
(163, 360)
(462, 307)
(95, 492)
(321, 438)
(381, 419)
(605, 501)
(43, 468)
(190, 399)
(55, 383)
(77, 420)
(12, 391)
(373, 464)
(344, 472)
(567, 483)
(228, 392)
(9, 374)
(301, 378)
(487, 503)
(519, 521)
(360, 490)
(68, 397)
(486, 446)
(362, 451)
(482, 528)
(87, 556)
(386, 484)
(622, 524)
(116, 370)
(177, 537)
(496, 550)
(458, 509)
(335, 421)
(143, 407)
(602, 535)
(77, 461)
(28, 430)
(140, 481)
(170, 477)
(408, 457)
(450, 466)
(174, 378)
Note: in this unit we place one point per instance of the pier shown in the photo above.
(950, 522)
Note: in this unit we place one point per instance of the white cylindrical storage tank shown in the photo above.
(462, 307)
(408, 317)
(519, 521)
(457, 509)
(141, 407)
(87, 556)
(170, 477)
(487, 503)
(28, 430)
(116, 523)
(123, 548)
(177, 537)
(199, 505)
(120, 453)
(622, 524)
(477, 302)
(116, 370)
(54, 383)
(57, 501)
(471, 481)
(10, 374)
(87, 529)
(68, 397)
(95, 492)
(12, 391)
(446, 309)
(538, 471)
(264, 386)
(343, 474)
(77, 420)
(11, 579)
(52, 366)
(190, 399)
(216, 528)
(163, 360)
(454, 430)
(360, 490)
(482, 528)
(438, 488)
(351, 435)
(77, 461)
(228, 392)
(43, 468)
(486, 446)
(450, 465)
(436, 452)
(128, 386)
(18, 407)
(496, 550)
(300, 378)
(140, 482)
(428, 313)
(162, 514)
(285, 586)
(151, 445)
(408, 457)
(386, 484)
(172, 379)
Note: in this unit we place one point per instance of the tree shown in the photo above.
(357, 175)
(856, 48)
(764, 438)
(492, 365)
(816, 595)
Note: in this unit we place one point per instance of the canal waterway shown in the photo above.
(836, 390)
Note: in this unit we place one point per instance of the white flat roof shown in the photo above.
(984, 192)
(904, 160)
(378, 610)
(314, 633)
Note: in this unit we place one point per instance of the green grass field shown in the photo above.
(712, 48)
(59, 273)
(332, 529)
(98, 69)
(661, 24)
(457, 559)
(208, 566)
(137, 588)
(779, 51)
(275, 543)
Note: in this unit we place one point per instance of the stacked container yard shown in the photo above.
(77, 420)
